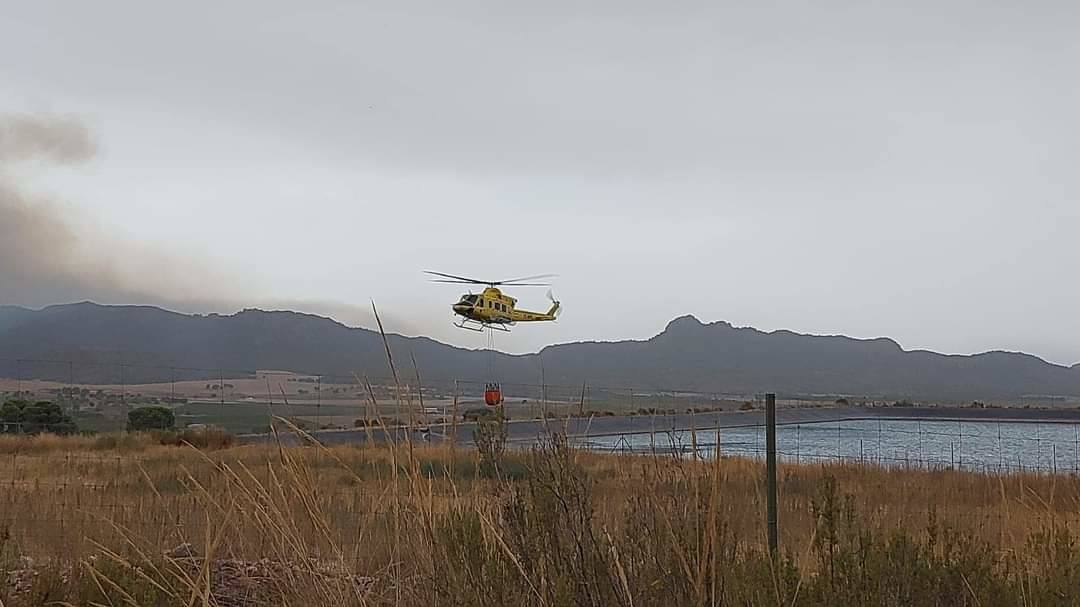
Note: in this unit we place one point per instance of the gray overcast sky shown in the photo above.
(906, 169)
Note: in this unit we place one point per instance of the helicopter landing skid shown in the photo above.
(473, 325)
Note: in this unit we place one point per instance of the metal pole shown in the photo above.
(71, 385)
(1038, 449)
(1000, 462)
(453, 425)
(652, 432)
(838, 458)
(581, 403)
(798, 444)
(960, 429)
(922, 457)
(878, 454)
(770, 469)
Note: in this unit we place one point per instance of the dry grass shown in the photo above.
(431, 525)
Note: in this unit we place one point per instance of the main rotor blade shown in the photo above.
(458, 282)
(461, 278)
(537, 277)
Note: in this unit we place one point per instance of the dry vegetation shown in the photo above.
(131, 522)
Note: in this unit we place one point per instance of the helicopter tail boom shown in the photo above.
(529, 316)
(554, 309)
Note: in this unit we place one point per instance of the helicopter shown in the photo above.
(493, 309)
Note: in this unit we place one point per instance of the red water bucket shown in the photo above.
(493, 395)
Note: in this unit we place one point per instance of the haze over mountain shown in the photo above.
(153, 343)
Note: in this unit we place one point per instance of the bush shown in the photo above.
(200, 438)
(859, 565)
(20, 416)
(122, 442)
(478, 414)
(145, 419)
(490, 440)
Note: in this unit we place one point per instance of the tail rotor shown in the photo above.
(555, 304)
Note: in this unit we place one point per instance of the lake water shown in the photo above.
(982, 446)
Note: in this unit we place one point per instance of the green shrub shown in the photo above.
(145, 419)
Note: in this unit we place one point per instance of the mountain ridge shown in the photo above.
(688, 354)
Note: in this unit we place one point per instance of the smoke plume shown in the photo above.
(61, 140)
(51, 252)
(39, 252)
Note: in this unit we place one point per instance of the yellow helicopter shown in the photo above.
(493, 309)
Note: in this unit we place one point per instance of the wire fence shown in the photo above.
(61, 502)
(246, 400)
(57, 500)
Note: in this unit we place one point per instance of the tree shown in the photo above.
(21, 416)
(150, 418)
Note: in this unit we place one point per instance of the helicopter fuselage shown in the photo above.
(493, 307)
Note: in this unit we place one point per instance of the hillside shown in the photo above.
(12, 315)
(687, 355)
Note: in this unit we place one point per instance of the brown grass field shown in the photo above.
(98, 520)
